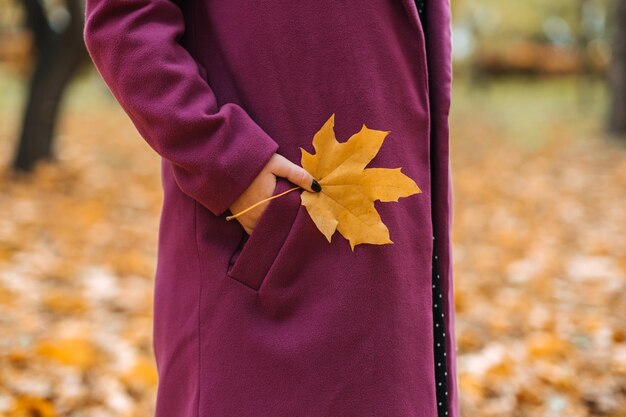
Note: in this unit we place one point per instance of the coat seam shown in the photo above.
(192, 50)
(195, 232)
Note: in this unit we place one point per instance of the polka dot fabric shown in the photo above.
(440, 339)
(420, 8)
(438, 314)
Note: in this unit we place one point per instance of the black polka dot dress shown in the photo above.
(420, 8)
(438, 311)
(439, 340)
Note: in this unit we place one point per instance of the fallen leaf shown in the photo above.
(77, 352)
(29, 405)
(346, 202)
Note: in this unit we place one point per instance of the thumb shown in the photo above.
(295, 174)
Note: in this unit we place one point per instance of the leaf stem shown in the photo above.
(256, 204)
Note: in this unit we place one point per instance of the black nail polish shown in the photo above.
(315, 186)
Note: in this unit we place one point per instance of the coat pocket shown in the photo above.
(256, 253)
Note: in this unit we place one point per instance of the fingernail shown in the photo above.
(315, 186)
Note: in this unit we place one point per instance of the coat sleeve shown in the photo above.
(215, 152)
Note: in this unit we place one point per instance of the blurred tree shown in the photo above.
(617, 71)
(59, 52)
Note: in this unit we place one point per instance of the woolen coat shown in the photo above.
(283, 323)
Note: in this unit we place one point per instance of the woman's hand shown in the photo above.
(263, 187)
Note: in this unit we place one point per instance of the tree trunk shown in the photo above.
(58, 56)
(617, 72)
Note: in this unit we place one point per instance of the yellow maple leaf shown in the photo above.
(346, 202)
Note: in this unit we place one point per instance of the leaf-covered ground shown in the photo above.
(540, 254)
(539, 240)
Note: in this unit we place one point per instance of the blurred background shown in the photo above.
(538, 148)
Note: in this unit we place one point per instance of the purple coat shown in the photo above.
(284, 323)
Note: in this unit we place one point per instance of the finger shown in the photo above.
(296, 174)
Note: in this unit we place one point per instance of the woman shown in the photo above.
(263, 316)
